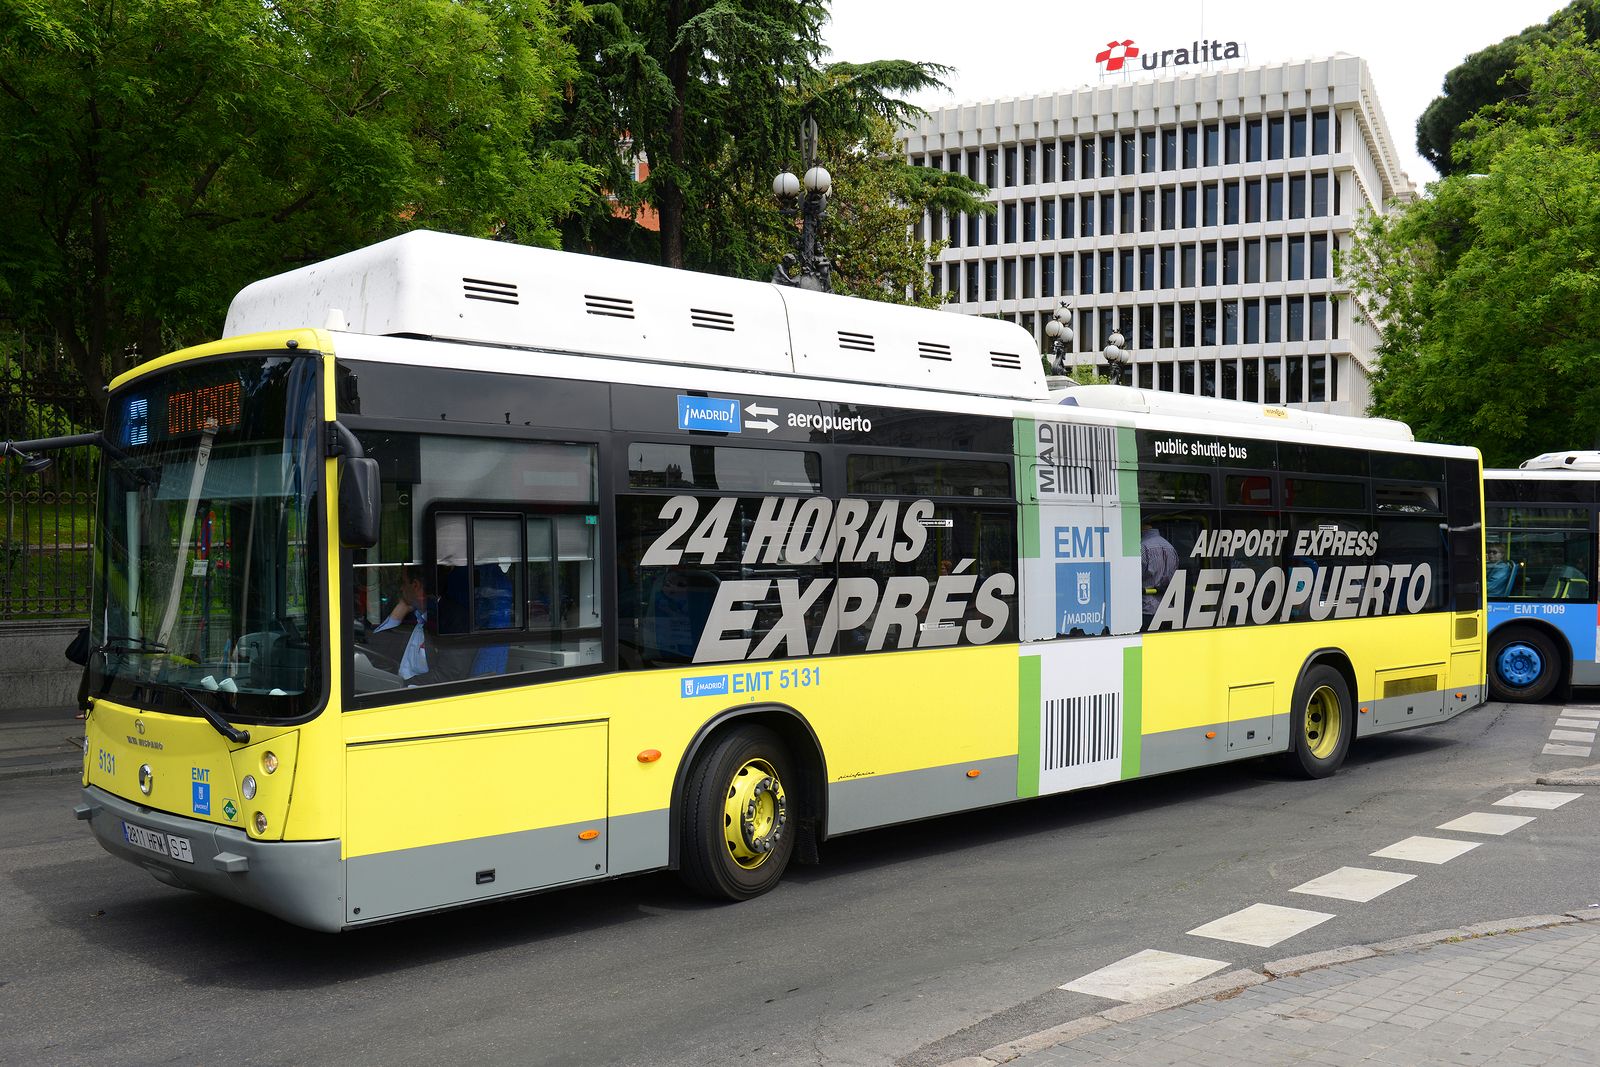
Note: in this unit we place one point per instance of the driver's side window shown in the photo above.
(485, 564)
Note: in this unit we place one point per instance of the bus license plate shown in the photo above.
(169, 845)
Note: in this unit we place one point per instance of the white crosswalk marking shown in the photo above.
(1262, 925)
(1548, 800)
(1579, 724)
(1427, 849)
(1483, 822)
(1143, 975)
(1353, 883)
(1572, 735)
(1567, 750)
(1581, 713)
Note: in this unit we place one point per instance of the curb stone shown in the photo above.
(1235, 982)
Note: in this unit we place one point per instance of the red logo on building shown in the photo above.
(1115, 54)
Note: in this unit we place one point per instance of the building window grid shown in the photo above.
(1270, 379)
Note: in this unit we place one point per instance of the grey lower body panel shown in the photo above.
(387, 885)
(1179, 750)
(1391, 714)
(1586, 672)
(298, 881)
(884, 800)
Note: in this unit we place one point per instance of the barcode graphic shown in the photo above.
(1079, 730)
(1076, 460)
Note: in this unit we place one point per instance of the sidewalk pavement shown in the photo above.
(35, 742)
(1524, 991)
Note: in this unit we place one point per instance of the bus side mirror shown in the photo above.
(358, 502)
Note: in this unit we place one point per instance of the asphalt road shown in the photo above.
(915, 945)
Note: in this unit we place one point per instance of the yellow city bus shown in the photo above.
(462, 570)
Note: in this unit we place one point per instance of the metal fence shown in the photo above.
(45, 534)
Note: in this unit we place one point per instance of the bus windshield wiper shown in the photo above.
(124, 644)
(223, 727)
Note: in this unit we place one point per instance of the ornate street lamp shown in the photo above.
(1059, 330)
(1116, 357)
(811, 269)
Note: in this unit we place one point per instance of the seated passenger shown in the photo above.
(1500, 572)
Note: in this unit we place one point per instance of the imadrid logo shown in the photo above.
(1117, 56)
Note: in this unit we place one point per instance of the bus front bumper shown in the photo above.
(299, 881)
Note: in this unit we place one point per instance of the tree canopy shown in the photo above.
(1487, 291)
(1484, 78)
(155, 155)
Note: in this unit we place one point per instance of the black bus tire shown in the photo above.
(1321, 722)
(739, 824)
(1524, 665)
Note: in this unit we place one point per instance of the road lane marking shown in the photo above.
(1427, 849)
(1546, 800)
(1262, 925)
(1567, 750)
(1483, 822)
(1581, 736)
(1359, 884)
(1143, 975)
(1582, 713)
(1581, 724)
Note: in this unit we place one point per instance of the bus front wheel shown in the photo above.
(1321, 722)
(738, 828)
(1524, 665)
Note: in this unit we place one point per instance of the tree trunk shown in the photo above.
(669, 192)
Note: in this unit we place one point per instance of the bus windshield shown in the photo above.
(206, 560)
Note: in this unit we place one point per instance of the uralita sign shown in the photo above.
(1120, 56)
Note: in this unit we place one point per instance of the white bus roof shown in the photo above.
(425, 284)
(1558, 461)
(513, 297)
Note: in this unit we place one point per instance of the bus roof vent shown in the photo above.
(612, 307)
(711, 320)
(494, 292)
(856, 342)
(933, 350)
(1005, 360)
(1564, 461)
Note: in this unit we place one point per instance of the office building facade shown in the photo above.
(1201, 215)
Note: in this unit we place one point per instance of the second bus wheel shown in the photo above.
(1320, 722)
(1524, 664)
(738, 829)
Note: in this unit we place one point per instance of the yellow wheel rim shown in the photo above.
(1324, 723)
(754, 814)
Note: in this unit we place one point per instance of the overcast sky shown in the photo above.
(1004, 48)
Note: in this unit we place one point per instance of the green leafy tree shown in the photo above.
(1487, 291)
(1484, 78)
(155, 155)
(714, 95)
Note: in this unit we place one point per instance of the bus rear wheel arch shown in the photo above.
(1321, 721)
(740, 816)
(1526, 664)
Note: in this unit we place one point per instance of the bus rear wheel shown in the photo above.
(1524, 665)
(738, 830)
(1320, 722)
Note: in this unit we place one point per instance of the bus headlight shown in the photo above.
(269, 762)
(249, 786)
(261, 822)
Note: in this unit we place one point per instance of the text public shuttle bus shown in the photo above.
(527, 569)
(1541, 564)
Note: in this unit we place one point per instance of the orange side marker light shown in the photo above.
(1363, 711)
(649, 755)
(1211, 735)
(974, 773)
(588, 835)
